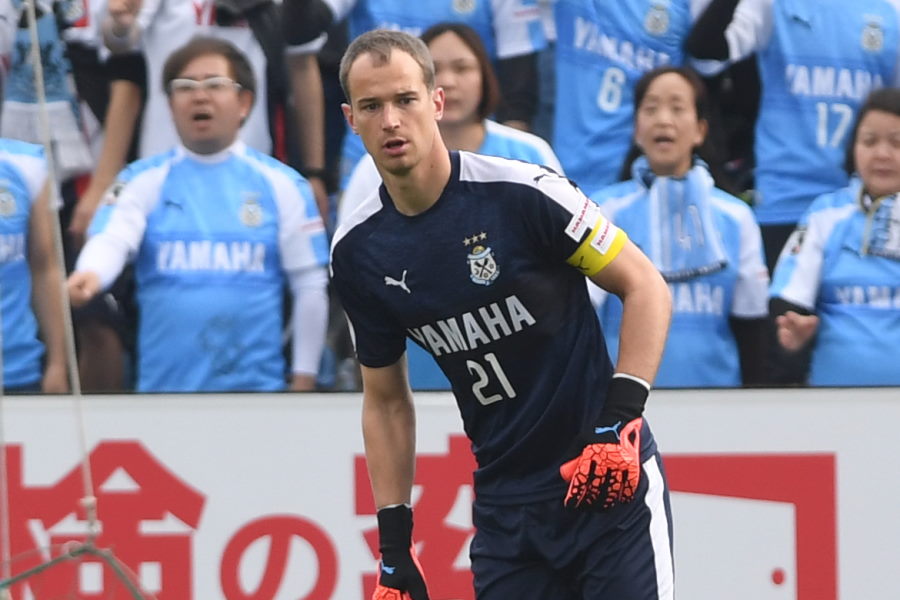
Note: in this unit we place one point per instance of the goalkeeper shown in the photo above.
(482, 261)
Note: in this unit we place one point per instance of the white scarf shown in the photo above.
(881, 236)
(684, 239)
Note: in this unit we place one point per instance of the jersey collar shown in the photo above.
(238, 147)
(388, 202)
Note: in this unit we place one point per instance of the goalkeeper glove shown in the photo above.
(608, 470)
(400, 574)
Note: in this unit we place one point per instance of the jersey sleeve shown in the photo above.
(751, 291)
(574, 226)
(118, 226)
(798, 273)
(895, 81)
(32, 166)
(750, 28)
(518, 28)
(147, 13)
(363, 182)
(301, 232)
(378, 340)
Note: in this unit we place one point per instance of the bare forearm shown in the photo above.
(647, 310)
(645, 325)
(309, 108)
(389, 432)
(120, 124)
(47, 277)
(48, 308)
(309, 117)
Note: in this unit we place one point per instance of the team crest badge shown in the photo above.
(463, 7)
(657, 20)
(483, 268)
(7, 202)
(251, 213)
(872, 35)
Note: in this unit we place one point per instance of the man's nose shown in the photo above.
(389, 117)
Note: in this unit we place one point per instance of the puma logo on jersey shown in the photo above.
(400, 283)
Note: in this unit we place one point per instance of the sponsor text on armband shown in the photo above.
(599, 248)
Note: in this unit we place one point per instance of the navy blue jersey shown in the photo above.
(491, 281)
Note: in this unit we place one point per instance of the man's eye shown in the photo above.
(183, 86)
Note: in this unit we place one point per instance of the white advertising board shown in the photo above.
(776, 494)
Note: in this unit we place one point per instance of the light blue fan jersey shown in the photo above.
(507, 27)
(843, 263)
(602, 49)
(818, 60)
(731, 281)
(211, 241)
(22, 174)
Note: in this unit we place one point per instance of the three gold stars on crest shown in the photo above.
(478, 237)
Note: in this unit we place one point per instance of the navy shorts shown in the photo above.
(545, 551)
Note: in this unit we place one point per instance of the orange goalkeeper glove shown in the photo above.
(399, 572)
(608, 470)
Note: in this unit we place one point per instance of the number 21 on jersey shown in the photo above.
(485, 374)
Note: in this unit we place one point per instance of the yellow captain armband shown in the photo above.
(599, 248)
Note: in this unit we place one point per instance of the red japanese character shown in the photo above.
(37, 515)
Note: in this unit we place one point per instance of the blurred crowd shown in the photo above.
(200, 163)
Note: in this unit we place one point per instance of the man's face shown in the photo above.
(392, 110)
(208, 112)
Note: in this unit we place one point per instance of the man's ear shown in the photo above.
(246, 103)
(438, 97)
(348, 114)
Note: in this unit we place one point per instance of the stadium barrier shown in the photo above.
(777, 494)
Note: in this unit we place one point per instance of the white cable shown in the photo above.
(89, 501)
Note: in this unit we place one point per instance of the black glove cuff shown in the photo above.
(625, 399)
(395, 527)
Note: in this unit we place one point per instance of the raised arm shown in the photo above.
(127, 72)
(120, 27)
(518, 77)
(730, 30)
(309, 111)
(305, 20)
